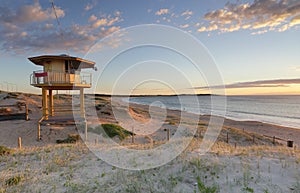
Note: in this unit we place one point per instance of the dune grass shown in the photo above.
(4, 150)
(111, 130)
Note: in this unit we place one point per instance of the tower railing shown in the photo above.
(56, 78)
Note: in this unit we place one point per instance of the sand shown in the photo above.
(11, 130)
(44, 166)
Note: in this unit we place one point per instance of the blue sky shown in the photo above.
(249, 40)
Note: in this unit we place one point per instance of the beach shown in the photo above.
(28, 129)
(239, 164)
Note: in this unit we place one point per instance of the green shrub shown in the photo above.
(70, 139)
(5, 151)
(203, 189)
(111, 131)
(13, 181)
(247, 189)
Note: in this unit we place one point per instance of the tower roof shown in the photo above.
(41, 60)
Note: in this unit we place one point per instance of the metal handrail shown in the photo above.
(54, 77)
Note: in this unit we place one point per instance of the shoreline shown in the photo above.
(257, 127)
(233, 114)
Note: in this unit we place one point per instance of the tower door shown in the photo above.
(67, 66)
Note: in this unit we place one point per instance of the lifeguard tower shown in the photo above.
(60, 72)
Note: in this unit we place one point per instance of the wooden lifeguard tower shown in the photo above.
(60, 72)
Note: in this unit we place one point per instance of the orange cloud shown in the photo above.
(92, 18)
(261, 16)
(256, 84)
(162, 12)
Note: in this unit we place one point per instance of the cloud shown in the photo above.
(162, 12)
(48, 26)
(75, 38)
(35, 32)
(261, 15)
(295, 68)
(187, 13)
(260, 32)
(184, 26)
(100, 22)
(173, 15)
(29, 14)
(295, 20)
(187, 18)
(166, 19)
(92, 18)
(105, 22)
(88, 7)
(256, 84)
(117, 13)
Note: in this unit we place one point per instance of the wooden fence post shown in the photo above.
(132, 140)
(20, 143)
(227, 138)
(96, 141)
(39, 132)
(26, 112)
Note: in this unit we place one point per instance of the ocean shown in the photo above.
(279, 110)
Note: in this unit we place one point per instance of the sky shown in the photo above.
(253, 44)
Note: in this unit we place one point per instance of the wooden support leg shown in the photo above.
(45, 103)
(85, 130)
(51, 103)
(82, 111)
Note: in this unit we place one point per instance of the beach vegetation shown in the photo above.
(72, 138)
(111, 130)
(295, 187)
(15, 180)
(5, 151)
(172, 122)
(248, 189)
(205, 189)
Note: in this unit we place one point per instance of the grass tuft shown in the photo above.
(111, 131)
(70, 139)
(204, 189)
(5, 151)
(15, 180)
